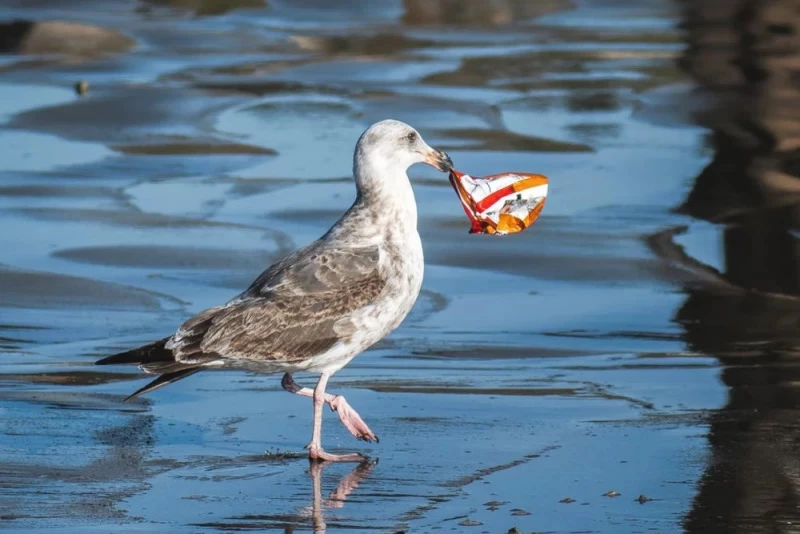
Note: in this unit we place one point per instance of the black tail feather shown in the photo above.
(163, 380)
(154, 352)
(155, 358)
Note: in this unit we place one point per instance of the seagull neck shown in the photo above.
(388, 194)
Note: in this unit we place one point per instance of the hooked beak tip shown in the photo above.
(440, 160)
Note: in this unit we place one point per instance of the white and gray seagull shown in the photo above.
(319, 307)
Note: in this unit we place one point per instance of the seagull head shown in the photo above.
(393, 144)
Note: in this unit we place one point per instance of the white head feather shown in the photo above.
(383, 154)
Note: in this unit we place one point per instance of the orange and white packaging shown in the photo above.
(503, 203)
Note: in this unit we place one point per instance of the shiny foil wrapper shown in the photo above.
(500, 204)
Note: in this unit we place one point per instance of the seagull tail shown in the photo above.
(153, 358)
(163, 380)
(152, 353)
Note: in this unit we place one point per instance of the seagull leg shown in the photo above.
(315, 451)
(347, 415)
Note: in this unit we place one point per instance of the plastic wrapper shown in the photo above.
(500, 204)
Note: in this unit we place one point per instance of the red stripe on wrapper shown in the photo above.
(502, 222)
(489, 200)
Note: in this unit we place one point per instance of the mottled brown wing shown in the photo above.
(296, 309)
(185, 344)
(315, 269)
(285, 328)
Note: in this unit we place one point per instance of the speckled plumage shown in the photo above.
(314, 302)
(319, 307)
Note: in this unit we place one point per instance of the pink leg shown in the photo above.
(347, 415)
(315, 451)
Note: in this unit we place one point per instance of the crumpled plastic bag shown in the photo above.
(500, 204)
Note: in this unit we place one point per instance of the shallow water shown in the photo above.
(617, 346)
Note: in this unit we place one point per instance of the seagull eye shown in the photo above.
(412, 137)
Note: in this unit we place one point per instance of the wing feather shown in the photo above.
(315, 269)
(296, 309)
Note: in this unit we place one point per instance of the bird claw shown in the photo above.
(317, 454)
(352, 421)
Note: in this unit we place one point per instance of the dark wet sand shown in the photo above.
(537, 373)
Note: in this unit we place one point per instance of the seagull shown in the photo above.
(322, 305)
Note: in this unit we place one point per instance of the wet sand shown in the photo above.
(547, 381)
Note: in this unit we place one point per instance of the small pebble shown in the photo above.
(514, 530)
(612, 493)
(567, 500)
(82, 87)
(519, 511)
(493, 506)
(643, 498)
(470, 523)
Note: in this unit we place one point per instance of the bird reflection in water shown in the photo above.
(745, 57)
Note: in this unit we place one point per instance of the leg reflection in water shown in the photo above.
(338, 496)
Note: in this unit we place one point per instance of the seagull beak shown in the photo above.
(438, 159)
